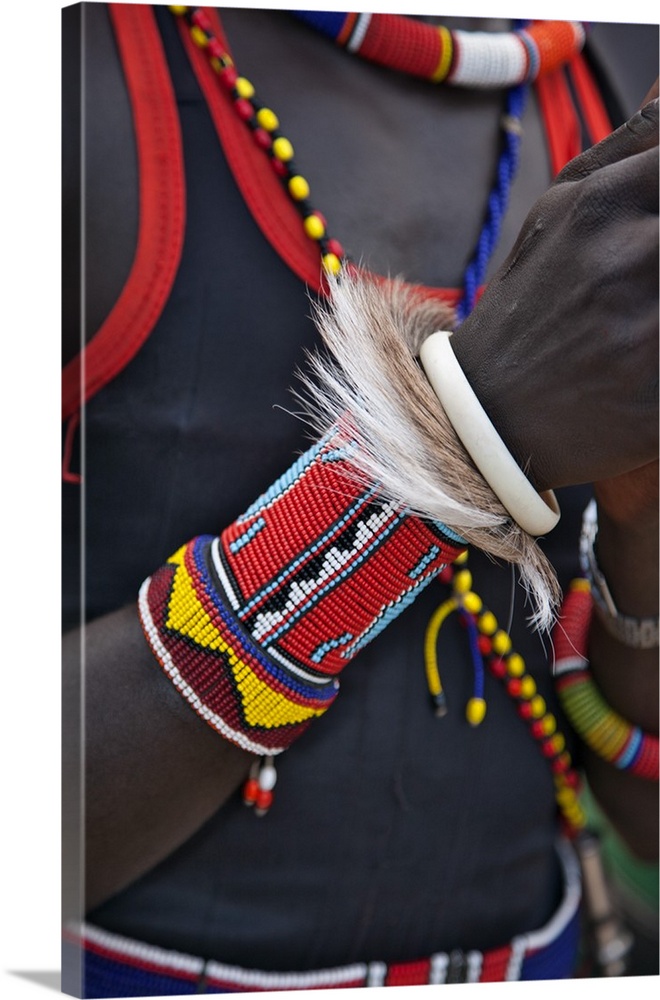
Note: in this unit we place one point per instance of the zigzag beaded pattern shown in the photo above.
(613, 738)
(254, 626)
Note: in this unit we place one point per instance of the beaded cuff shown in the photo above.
(604, 730)
(253, 627)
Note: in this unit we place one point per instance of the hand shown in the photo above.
(562, 349)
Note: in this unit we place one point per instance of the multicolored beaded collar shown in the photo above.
(476, 59)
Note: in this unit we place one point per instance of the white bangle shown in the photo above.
(536, 513)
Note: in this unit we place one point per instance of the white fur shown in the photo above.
(374, 387)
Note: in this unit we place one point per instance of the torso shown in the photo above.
(446, 833)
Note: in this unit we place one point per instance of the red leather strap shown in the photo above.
(591, 104)
(162, 211)
(562, 125)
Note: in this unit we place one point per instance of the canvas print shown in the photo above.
(360, 499)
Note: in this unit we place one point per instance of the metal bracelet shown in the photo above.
(637, 633)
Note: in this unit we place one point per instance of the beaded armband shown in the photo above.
(253, 627)
(604, 730)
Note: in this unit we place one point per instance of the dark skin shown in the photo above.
(154, 771)
(612, 437)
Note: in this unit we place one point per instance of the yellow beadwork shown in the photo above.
(177, 9)
(527, 686)
(548, 724)
(446, 51)
(487, 623)
(267, 119)
(244, 88)
(501, 643)
(298, 188)
(475, 711)
(282, 149)
(515, 665)
(262, 706)
(314, 227)
(331, 263)
(463, 582)
(472, 603)
(198, 36)
(461, 559)
(538, 706)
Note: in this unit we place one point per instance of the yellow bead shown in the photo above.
(314, 227)
(244, 88)
(198, 36)
(527, 686)
(515, 665)
(580, 584)
(177, 9)
(487, 623)
(461, 559)
(475, 711)
(548, 724)
(283, 149)
(268, 119)
(298, 188)
(501, 643)
(558, 742)
(537, 705)
(331, 263)
(565, 796)
(463, 581)
(216, 64)
(472, 603)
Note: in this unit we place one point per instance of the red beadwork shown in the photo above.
(250, 791)
(244, 109)
(215, 49)
(525, 710)
(514, 687)
(263, 138)
(202, 20)
(446, 575)
(485, 645)
(229, 76)
(279, 167)
(498, 666)
(561, 764)
(335, 247)
(264, 799)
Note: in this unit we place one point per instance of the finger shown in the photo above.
(639, 133)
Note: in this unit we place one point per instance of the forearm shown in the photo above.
(627, 552)
(153, 771)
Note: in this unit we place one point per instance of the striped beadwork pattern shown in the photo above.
(460, 58)
(253, 627)
(118, 966)
(608, 734)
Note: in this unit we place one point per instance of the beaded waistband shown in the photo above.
(115, 965)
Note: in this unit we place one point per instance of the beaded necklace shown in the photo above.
(486, 640)
(475, 59)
